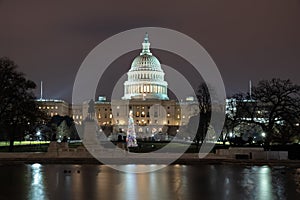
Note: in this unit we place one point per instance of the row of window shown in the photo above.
(146, 76)
(143, 122)
(137, 107)
(142, 114)
(52, 114)
(48, 107)
(105, 115)
(138, 114)
(106, 109)
(132, 89)
(77, 116)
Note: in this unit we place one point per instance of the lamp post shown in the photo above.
(263, 135)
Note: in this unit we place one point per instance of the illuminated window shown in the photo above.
(137, 113)
(56, 107)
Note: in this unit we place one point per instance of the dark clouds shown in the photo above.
(247, 39)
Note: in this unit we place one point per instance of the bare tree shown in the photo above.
(274, 106)
(204, 101)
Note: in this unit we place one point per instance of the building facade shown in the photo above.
(145, 94)
(54, 107)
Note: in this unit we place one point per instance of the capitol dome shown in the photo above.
(145, 77)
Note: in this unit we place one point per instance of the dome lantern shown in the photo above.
(146, 46)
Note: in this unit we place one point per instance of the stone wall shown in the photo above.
(252, 153)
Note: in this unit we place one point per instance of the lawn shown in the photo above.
(21, 143)
(25, 146)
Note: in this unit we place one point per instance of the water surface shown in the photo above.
(88, 182)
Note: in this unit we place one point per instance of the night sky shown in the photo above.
(251, 39)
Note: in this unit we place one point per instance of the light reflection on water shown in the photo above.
(257, 182)
(36, 188)
(173, 182)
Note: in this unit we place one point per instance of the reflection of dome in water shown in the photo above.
(145, 77)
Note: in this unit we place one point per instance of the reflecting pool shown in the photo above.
(87, 182)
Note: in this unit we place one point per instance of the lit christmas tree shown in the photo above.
(131, 135)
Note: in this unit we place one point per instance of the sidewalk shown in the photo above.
(185, 159)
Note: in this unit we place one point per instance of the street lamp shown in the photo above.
(38, 133)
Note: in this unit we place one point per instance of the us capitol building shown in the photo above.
(145, 93)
